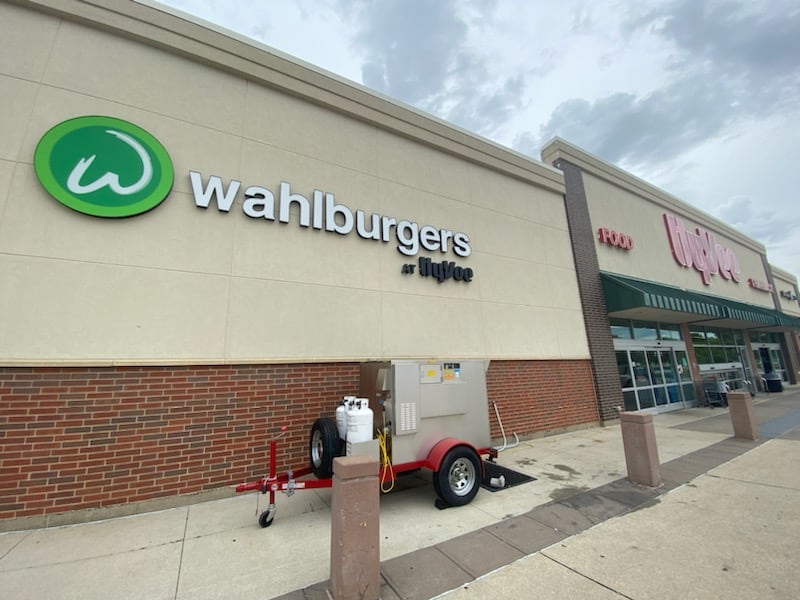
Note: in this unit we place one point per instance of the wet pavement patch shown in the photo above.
(594, 506)
(781, 425)
(560, 517)
(627, 493)
(566, 469)
(567, 491)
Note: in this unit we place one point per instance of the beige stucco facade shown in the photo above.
(195, 285)
(626, 204)
(787, 291)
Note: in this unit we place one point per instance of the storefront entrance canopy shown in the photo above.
(788, 321)
(637, 299)
(634, 298)
(746, 315)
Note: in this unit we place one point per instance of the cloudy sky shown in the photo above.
(701, 98)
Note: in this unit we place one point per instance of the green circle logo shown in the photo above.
(104, 167)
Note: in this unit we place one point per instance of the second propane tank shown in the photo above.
(341, 416)
(354, 420)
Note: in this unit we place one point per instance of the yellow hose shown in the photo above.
(386, 461)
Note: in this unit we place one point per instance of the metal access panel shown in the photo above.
(430, 401)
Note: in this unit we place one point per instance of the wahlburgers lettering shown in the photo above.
(321, 212)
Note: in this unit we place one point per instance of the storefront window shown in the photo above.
(624, 329)
(718, 355)
(621, 329)
(645, 330)
(703, 354)
(764, 337)
(698, 335)
(670, 331)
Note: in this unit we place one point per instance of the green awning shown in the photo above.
(625, 293)
(789, 321)
(739, 311)
(638, 299)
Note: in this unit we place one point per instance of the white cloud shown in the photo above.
(679, 92)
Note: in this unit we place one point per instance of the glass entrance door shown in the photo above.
(655, 379)
(768, 359)
(664, 375)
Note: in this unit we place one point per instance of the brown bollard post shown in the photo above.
(740, 408)
(641, 451)
(355, 529)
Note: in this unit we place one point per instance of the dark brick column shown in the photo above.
(595, 315)
(786, 339)
(693, 366)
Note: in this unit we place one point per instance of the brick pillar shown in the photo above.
(740, 408)
(590, 289)
(641, 451)
(355, 529)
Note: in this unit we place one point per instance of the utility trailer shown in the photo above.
(409, 415)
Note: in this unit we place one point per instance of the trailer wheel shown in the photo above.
(323, 447)
(458, 478)
(265, 518)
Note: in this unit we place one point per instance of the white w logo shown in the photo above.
(111, 179)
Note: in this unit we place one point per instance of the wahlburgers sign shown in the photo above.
(103, 166)
(108, 167)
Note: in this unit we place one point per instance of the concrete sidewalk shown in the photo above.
(726, 523)
(733, 532)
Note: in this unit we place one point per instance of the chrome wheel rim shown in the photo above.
(316, 448)
(462, 476)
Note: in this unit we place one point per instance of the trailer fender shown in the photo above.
(442, 447)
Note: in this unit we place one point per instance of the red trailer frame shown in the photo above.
(288, 482)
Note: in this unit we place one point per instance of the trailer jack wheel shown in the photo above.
(459, 476)
(265, 518)
(324, 446)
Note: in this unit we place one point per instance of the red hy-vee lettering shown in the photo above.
(701, 251)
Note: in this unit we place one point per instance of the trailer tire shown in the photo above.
(323, 447)
(459, 476)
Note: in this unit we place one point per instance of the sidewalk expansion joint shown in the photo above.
(183, 545)
(592, 579)
(11, 549)
(758, 483)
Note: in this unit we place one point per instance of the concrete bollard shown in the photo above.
(641, 451)
(740, 408)
(355, 529)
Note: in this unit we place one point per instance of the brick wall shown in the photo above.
(540, 396)
(79, 438)
(87, 437)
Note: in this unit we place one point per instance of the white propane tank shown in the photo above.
(341, 416)
(359, 421)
